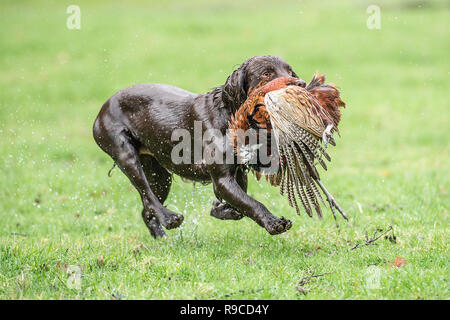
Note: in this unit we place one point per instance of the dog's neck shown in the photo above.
(215, 96)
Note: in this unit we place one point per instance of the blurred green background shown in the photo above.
(59, 209)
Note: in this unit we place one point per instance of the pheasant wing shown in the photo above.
(295, 105)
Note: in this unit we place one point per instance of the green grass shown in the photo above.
(58, 207)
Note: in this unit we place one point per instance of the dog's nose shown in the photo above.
(300, 83)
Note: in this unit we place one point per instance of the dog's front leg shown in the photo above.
(228, 189)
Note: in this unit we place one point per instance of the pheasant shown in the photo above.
(302, 121)
(253, 115)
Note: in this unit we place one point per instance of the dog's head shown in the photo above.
(254, 71)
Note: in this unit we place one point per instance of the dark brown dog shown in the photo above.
(142, 117)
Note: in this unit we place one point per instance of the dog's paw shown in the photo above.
(278, 225)
(172, 221)
(224, 211)
(155, 228)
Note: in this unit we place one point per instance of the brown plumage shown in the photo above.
(327, 95)
(301, 120)
(253, 113)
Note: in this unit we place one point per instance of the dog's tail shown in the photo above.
(110, 170)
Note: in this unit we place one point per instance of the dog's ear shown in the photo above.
(234, 92)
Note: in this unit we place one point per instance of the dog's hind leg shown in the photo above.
(222, 210)
(160, 181)
(122, 148)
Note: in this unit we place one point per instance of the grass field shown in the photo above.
(59, 211)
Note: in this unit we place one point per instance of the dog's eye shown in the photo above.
(266, 73)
